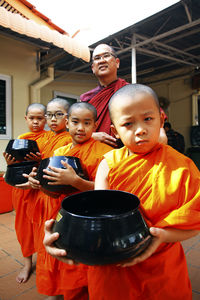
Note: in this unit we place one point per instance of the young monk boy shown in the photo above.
(57, 136)
(168, 186)
(54, 277)
(35, 119)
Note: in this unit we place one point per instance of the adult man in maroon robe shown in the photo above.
(105, 64)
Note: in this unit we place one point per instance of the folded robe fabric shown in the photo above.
(57, 277)
(168, 186)
(35, 205)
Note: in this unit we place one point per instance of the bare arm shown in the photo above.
(101, 180)
(167, 235)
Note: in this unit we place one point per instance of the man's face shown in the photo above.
(104, 62)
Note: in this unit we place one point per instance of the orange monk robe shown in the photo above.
(35, 207)
(53, 141)
(168, 186)
(20, 198)
(52, 276)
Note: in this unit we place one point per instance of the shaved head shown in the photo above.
(103, 48)
(83, 105)
(38, 106)
(61, 101)
(131, 90)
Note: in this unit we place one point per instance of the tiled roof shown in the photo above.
(40, 15)
(21, 25)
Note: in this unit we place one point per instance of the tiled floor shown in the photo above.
(11, 261)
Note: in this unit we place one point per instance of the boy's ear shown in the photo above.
(95, 126)
(162, 119)
(25, 117)
(114, 131)
(67, 123)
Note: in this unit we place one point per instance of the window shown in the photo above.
(5, 107)
(196, 109)
(69, 97)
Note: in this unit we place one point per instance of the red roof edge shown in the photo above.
(46, 19)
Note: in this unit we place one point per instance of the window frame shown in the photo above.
(8, 111)
(61, 94)
(195, 109)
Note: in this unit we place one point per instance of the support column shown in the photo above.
(133, 61)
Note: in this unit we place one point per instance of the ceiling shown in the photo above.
(166, 41)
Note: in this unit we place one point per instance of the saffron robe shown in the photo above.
(100, 102)
(51, 141)
(35, 205)
(168, 186)
(20, 198)
(52, 276)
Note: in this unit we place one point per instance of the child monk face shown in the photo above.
(56, 117)
(137, 121)
(35, 119)
(81, 125)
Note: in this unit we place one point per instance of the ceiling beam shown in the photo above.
(187, 11)
(165, 46)
(50, 57)
(161, 36)
(170, 32)
(167, 57)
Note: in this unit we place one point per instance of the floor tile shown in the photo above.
(8, 266)
(195, 296)
(194, 274)
(193, 258)
(191, 243)
(9, 288)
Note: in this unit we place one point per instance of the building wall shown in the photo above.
(178, 91)
(74, 84)
(18, 61)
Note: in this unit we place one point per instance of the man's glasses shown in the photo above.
(57, 115)
(104, 56)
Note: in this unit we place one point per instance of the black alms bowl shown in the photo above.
(101, 227)
(19, 148)
(14, 172)
(55, 161)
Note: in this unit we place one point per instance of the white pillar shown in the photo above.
(133, 61)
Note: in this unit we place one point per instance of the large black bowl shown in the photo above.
(101, 227)
(19, 148)
(55, 161)
(14, 172)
